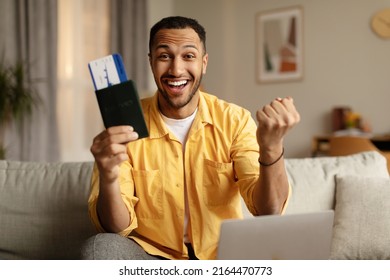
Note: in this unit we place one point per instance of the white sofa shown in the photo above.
(43, 206)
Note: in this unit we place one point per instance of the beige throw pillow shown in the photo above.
(362, 218)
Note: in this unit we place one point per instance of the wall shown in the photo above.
(345, 62)
(157, 9)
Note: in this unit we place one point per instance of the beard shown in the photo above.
(179, 105)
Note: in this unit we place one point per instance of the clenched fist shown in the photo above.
(274, 121)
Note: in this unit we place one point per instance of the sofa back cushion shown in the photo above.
(362, 218)
(313, 180)
(43, 209)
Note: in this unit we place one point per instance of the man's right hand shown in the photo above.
(109, 150)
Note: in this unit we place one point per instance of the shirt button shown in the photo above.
(177, 185)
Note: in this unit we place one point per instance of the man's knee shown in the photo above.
(111, 246)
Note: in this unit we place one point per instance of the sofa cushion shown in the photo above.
(43, 209)
(362, 218)
(313, 179)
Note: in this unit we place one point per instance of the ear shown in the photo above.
(150, 59)
(204, 62)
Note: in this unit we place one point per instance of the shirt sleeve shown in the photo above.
(245, 155)
(127, 192)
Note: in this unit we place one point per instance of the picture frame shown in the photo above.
(279, 39)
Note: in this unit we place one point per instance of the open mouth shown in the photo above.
(177, 85)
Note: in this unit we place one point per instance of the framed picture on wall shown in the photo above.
(279, 45)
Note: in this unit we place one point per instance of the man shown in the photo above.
(165, 196)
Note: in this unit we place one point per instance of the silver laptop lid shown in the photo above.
(289, 237)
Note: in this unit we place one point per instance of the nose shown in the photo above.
(176, 67)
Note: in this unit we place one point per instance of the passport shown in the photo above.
(117, 96)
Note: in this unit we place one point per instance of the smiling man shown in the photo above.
(165, 196)
(178, 60)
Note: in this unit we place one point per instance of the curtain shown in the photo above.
(129, 37)
(29, 34)
(65, 124)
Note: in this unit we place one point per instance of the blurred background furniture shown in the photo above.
(338, 117)
(320, 143)
(348, 145)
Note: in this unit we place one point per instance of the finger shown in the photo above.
(112, 144)
(266, 120)
(115, 135)
(121, 134)
(279, 111)
(286, 109)
(275, 116)
(280, 103)
(119, 129)
(100, 137)
(112, 131)
(273, 110)
(292, 111)
(122, 138)
(113, 150)
(288, 103)
(276, 106)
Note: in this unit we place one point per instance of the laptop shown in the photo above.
(305, 236)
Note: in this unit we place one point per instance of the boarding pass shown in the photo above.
(107, 71)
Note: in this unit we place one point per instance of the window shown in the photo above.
(83, 35)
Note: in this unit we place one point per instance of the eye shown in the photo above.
(189, 56)
(164, 56)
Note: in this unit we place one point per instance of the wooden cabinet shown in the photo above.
(321, 146)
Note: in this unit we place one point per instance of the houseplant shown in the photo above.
(17, 98)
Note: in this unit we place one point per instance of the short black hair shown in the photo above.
(177, 22)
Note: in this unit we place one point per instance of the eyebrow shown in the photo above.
(164, 46)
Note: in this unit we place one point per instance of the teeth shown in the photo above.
(177, 83)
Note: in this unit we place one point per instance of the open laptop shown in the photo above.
(306, 236)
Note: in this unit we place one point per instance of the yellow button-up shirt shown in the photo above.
(220, 161)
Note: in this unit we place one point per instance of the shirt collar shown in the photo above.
(157, 129)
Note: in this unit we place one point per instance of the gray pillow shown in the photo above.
(313, 179)
(362, 218)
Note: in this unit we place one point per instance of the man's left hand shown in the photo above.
(275, 120)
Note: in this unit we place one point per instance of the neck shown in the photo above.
(178, 113)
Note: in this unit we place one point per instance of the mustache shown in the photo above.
(171, 76)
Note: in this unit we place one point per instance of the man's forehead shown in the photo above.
(183, 37)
